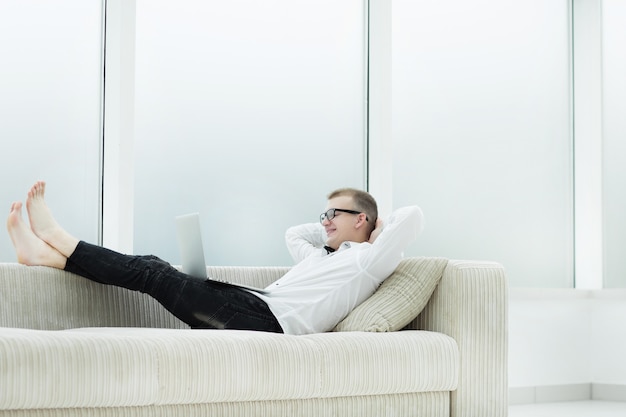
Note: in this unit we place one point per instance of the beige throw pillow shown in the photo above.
(399, 299)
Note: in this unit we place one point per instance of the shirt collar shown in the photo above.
(344, 245)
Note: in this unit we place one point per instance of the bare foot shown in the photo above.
(41, 220)
(29, 248)
(43, 224)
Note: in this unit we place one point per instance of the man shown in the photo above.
(319, 291)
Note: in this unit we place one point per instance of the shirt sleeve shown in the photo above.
(400, 229)
(304, 239)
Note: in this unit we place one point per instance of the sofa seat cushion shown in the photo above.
(106, 367)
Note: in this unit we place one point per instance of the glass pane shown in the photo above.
(50, 80)
(249, 113)
(481, 96)
(614, 133)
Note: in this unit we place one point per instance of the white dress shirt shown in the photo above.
(323, 288)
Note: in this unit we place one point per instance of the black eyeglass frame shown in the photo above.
(330, 214)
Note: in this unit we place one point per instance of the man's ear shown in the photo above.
(361, 220)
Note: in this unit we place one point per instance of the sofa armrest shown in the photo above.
(470, 305)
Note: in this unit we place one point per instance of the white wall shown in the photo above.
(549, 337)
(567, 344)
(608, 337)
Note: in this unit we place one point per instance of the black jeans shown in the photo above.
(200, 304)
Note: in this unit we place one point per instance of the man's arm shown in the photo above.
(378, 228)
(388, 242)
(304, 239)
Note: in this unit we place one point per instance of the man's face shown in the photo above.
(343, 226)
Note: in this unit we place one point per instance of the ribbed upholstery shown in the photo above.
(107, 366)
(49, 299)
(61, 300)
(399, 299)
(427, 404)
(470, 305)
(259, 277)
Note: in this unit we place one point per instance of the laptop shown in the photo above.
(192, 250)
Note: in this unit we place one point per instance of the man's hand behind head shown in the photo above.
(377, 229)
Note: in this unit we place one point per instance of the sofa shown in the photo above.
(420, 346)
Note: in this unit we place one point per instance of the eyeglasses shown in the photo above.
(331, 213)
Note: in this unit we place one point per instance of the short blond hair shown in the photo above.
(363, 202)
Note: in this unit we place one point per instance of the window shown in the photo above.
(50, 78)
(482, 130)
(249, 113)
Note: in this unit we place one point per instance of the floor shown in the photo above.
(570, 409)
